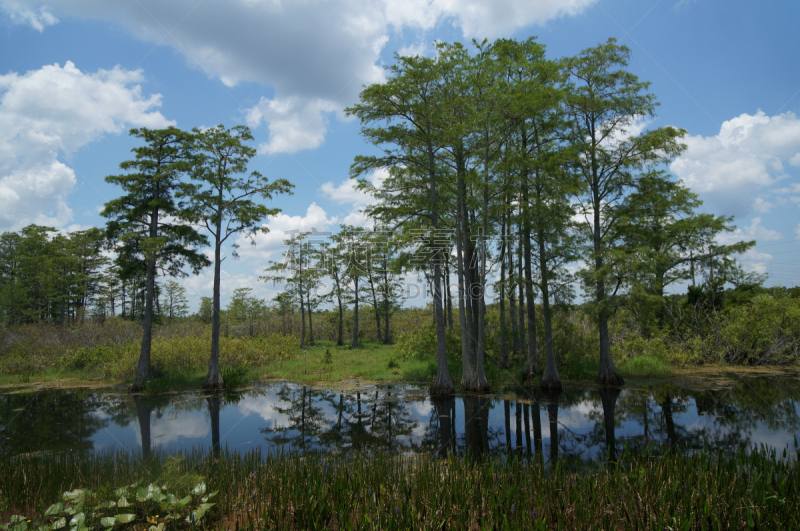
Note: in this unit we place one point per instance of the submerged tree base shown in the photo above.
(442, 385)
(551, 383)
(609, 378)
(214, 382)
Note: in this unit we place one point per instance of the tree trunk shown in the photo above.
(606, 373)
(387, 338)
(214, 377)
(310, 323)
(503, 328)
(463, 285)
(375, 306)
(354, 344)
(144, 371)
(481, 383)
(442, 384)
(340, 340)
(450, 324)
(550, 379)
(523, 348)
(532, 360)
(302, 306)
(512, 299)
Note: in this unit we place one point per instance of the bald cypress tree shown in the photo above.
(604, 103)
(148, 224)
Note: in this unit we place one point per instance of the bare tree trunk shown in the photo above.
(442, 384)
(144, 371)
(340, 340)
(606, 373)
(523, 344)
(532, 360)
(354, 344)
(450, 323)
(375, 306)
(550, 379)
(214, 377)
(310, 323)
(503, 328)
(512, 299)
(464, 313)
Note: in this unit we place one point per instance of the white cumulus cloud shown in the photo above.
(345, 193)
(51, 112)
(294, 124)
(315, 54)
(756, 231)
(734, 170)
(281, 227)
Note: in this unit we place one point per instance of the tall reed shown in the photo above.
(647, 490)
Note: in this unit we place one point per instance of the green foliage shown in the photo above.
(420, 344)
(327, 358)
(647, 365)
(114, 350)
(706, 489)
(123, 508)
(764, 330)
(46, 276)
(235, 376)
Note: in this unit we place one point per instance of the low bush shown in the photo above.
(421, 344)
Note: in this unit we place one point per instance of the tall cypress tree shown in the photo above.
(148, 224)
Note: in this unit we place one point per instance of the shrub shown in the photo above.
(420, 344)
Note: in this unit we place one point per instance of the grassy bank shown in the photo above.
(656, 490)
(763, 329)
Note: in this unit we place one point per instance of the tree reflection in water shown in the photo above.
(213, 400)
(609, 395)
(551, 399)
(593, 423)
(444, 408)
(48, 421)
(476, 426)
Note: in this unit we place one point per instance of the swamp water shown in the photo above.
(583, 423)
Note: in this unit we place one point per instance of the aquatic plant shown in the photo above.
(654, 487)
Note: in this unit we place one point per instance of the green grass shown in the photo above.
(650, 366)
(56, 376)
(370, 361)
(656, 488)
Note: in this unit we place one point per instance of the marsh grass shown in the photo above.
(652, 365)
(654, 489)
(369, 362)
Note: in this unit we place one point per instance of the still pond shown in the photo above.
(583, 423)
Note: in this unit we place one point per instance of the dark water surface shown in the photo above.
(580, 422)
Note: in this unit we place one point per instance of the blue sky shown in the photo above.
(75, 75)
